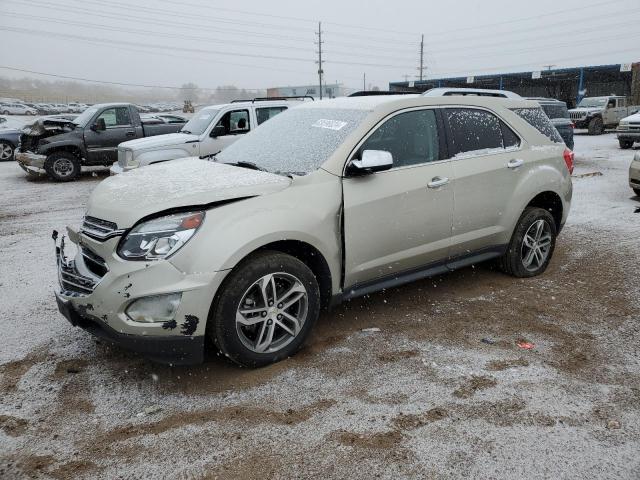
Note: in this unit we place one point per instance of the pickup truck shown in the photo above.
(598, 113)
(208, 132)
(60, 148)
(628, 131)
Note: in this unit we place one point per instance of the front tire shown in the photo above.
(62, 166)
(596, 126)
(265, 309)
(532, 244)
(7, 152)
(625, 144)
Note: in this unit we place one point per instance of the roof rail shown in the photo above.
(271, 99)
(371, 93)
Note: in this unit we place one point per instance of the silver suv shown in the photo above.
(323, 203)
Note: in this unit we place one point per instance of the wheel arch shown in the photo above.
(72, 149)
(550, 201)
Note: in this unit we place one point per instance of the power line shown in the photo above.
(192, 50)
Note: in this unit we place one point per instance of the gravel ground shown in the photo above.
(423, 397)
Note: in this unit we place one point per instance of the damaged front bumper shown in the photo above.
(95, 294)
(31, 162)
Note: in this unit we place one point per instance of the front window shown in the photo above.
(410, 137)
(297, 141)
(200, 121)
(116, 117)
(593, 102)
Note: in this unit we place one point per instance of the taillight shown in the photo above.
(568, 159)
(573, 125)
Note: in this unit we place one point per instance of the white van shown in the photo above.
(208, 132)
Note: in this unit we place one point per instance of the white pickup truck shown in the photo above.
(208, 132)
(598, 113)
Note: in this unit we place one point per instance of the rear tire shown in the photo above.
(6, 112)
(532, 244)
(625, 144)
(62, 166)
(250, 321)
(596, 126)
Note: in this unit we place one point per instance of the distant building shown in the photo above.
(566, 84)
(328, 91)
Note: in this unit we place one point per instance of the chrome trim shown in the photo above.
(99, 229)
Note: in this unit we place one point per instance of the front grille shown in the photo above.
(99, 229)
(72, 283)
(576, 115)
(94, 263)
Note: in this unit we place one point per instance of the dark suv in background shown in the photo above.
(559, 116)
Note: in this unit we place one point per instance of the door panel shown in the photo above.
(102, 146)
(395, 222)
(236, 124)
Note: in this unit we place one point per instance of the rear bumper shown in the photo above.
(31, 161)
(162, 349)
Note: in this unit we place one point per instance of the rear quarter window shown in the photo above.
(537, 118)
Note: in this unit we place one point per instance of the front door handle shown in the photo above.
(437, 182)
(130, 133)
(515, 163)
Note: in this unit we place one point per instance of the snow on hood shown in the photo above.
(159, 141)
(586, 109)
(128, 197)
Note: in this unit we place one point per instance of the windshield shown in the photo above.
(83, 119)
(593, 102)
(200, 121)
(298, 141)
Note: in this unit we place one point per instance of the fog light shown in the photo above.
(158, 308)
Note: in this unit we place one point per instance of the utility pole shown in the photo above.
(319, 62)
(422, 67)
(364, 81)
(549, 67)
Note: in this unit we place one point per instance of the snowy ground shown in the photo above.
(422, 398)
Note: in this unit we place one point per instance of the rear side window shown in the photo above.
(555, 110)
(264, 114)
(473, 130)
(538, 119)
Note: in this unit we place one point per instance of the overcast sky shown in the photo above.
(259, 44)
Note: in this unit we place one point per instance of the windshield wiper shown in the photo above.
(249, 165)
(185, 131)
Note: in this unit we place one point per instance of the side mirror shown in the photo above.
(218, 131)
(372, 161)
(99, 126)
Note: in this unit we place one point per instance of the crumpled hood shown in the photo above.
(130, 196)
(159, 141)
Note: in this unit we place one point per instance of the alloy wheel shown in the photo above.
(6, 151)
(536, 245)
(271, 312)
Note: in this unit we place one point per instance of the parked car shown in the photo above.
(634, 174)
(17, 109)
(628, 131)
(9, 138)
(474, 92)
(60, 147)
(76, 107)
(598, 113)
(559, 116)
(325, 202)
(208, 132)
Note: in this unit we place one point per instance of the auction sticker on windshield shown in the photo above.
(330, 124)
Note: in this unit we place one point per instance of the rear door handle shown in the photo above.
(515, 163)
(130, 133)
(437, 182)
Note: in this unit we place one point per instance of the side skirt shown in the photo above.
(426, 271)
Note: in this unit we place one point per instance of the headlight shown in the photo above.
(160, 237)
(128, 157)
